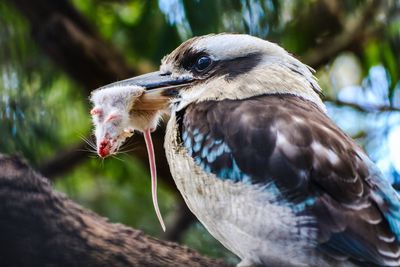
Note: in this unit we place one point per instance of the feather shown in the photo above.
(316, 169)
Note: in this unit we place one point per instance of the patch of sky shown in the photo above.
(396, 96)
(10, 80)
(252, 17)
(175, 13)
(373, 91)
(382, 129)
(253, 14)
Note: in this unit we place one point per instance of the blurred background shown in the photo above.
(53, 53)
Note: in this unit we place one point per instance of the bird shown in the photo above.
(259, 162)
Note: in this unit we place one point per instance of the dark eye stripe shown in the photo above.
(190, 57)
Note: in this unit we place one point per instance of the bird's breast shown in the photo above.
(244, 218)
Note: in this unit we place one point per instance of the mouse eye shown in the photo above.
(203, 63)
(113, 118)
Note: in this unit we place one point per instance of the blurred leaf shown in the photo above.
(199, 238)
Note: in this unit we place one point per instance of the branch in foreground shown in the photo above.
(366, 108)
(63, 160)
(40, 227)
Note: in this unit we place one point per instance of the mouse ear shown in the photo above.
(96, 111)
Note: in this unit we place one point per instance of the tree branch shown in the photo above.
(63, 160)
(70, 41)
(366, 109)
(40, 227)
(354, 33)
(72, 156)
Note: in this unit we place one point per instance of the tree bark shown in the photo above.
(353, 36)
(40, 227)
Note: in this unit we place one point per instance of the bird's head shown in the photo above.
(211, 67)
(235, 66)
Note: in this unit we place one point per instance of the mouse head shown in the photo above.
(115, 117)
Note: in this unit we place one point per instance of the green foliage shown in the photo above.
(120, 189)
(37, 101)
(137, 28)
(197, 237)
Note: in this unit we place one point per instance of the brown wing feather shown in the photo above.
(291, 142)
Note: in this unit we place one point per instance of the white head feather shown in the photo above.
(277, 72)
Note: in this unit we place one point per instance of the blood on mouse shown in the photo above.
(111, 117)
(117, 113)
(104, 148)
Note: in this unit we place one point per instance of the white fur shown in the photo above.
(117, 101)
(116, 95)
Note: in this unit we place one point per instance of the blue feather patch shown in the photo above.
(349, 245)
(384, 193)
(205, 155)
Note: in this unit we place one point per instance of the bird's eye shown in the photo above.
(203, 63)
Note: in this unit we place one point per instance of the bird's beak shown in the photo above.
(159, 89)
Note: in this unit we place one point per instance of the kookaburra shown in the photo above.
(255, 156)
